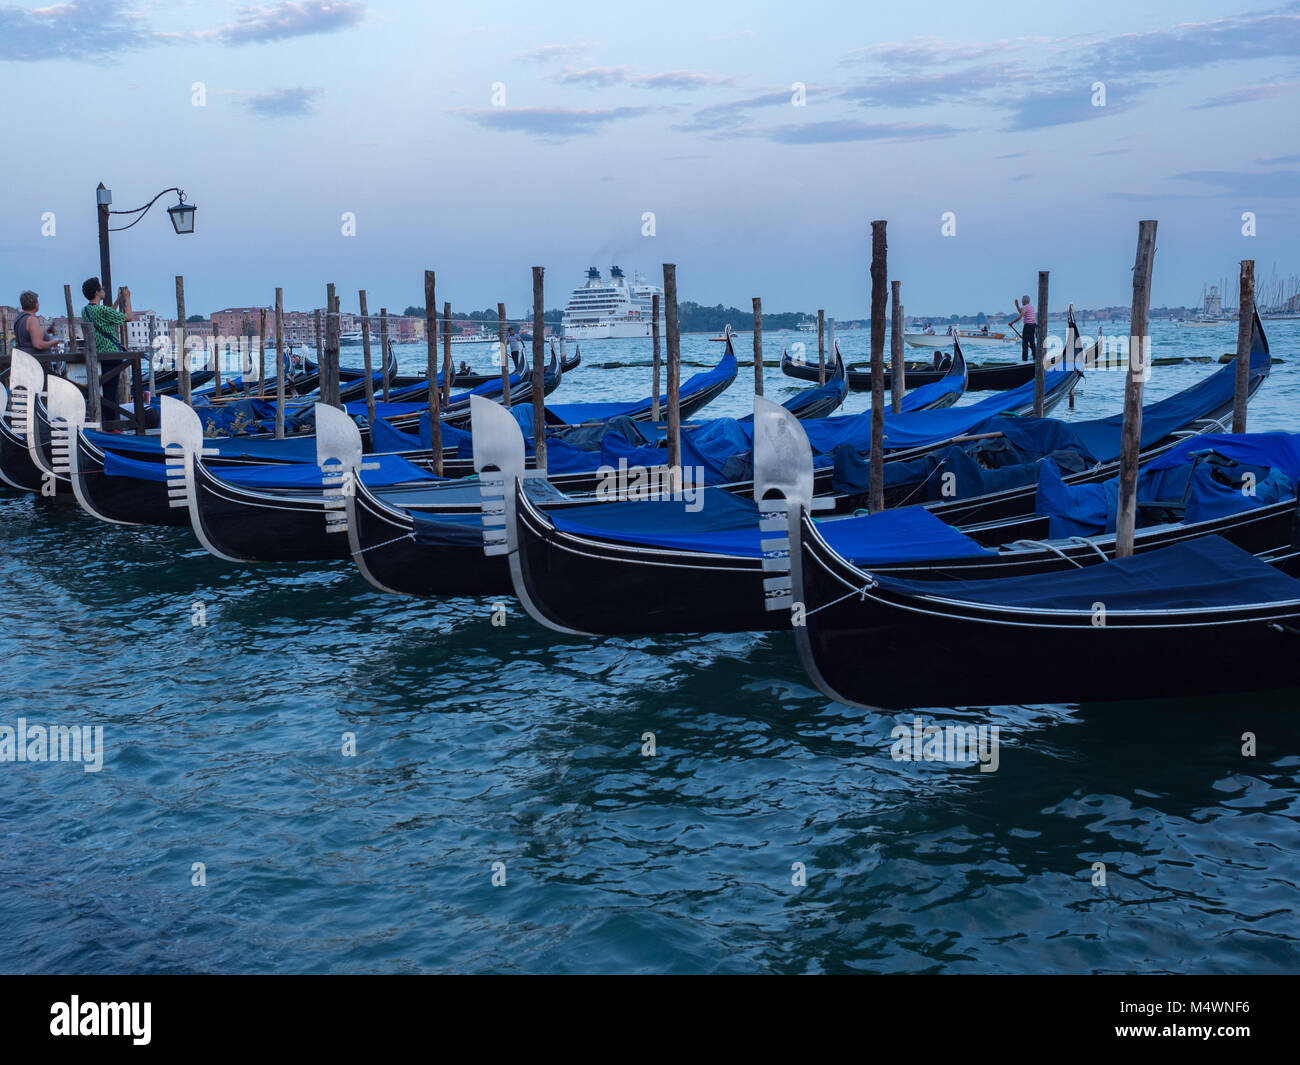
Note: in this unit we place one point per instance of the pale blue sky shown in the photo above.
(385, 109)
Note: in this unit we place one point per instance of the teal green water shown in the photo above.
(478, 745)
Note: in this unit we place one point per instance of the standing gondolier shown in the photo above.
(516, 348)
(1029, 338)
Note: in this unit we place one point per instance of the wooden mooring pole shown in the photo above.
(446, 355)
(383, 349)
(879, 302)
(821, 346)
(365, 360)
(94, 394)
(758, 346)
(1245, 333)
(539, 369)
(279, 364)
(674, 343)
(182, 359)
(72, 321)
(216, 360)
(1040, 365)
(261, 354)
(654, 357)
(897, 371)
(1139, 360)
(330, 391)
(431, 345)
(505, 355)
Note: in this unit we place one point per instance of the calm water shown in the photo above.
(478, 744)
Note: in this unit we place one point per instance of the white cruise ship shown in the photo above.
(602, 310)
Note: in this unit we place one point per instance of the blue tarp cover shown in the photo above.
(293, 449)
(1206, 474)
(727, 524)
(392, 470)
(1207, 572)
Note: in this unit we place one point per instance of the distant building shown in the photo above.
(138, 330)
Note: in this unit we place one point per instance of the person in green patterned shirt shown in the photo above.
(106, 321)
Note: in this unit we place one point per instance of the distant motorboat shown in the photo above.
(968, 338)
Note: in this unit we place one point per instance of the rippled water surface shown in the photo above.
(478, 744)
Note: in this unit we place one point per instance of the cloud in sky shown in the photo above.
(73, 30)
(1248, 94)
(279, 22)
(606, 77)
(283, 103)
(929, 52)
(550, 123)
(920, 90)
(844, 130)
(1245, 185)
(1192, 45)
(548, 53)
(1061, 107)
(731, 113)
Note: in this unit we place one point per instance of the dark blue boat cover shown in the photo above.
(1207, 572)
(1204, 477)
(1102, 435)
(393, 469)
(290, 449)
(727, 524)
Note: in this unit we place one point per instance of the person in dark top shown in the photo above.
(105, 321)
(30, 333)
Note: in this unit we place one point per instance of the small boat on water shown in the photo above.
(972, 338)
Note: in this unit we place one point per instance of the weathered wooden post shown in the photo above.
(674, 342)
(94, 394)
(1139, 360)
(182, 358)
(330, 391)
(216, 361)
(261, 352)
(1040, 367)
(897, 372)
(1245, 333)
(539, 372)
(879, 300)
(431, 365)
(821, 346)
(152, 338)
(279, 364)
(72, 321)
(758, 346)
(655, 358)
(320, 354)
(505, 355)
(365, 360)
(446, 355)
(383, 348)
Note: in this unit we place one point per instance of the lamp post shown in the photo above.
(182, 217)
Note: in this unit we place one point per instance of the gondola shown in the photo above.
(986, 377)
(274, 514)
(579, 571)
(20, 441)
(1201, 617)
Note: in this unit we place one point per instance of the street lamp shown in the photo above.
(182, 216)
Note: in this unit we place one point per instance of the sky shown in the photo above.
(761, 139)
